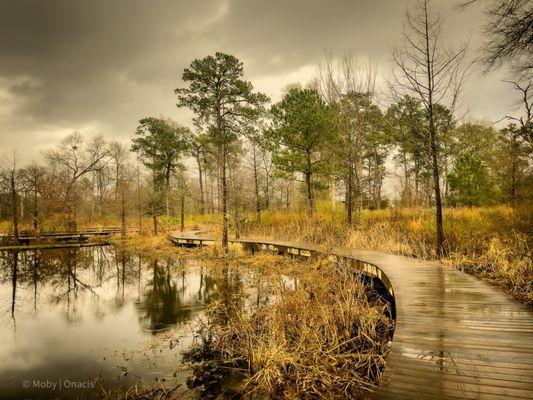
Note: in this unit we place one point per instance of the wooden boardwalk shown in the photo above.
(455, 337)
(47, 240)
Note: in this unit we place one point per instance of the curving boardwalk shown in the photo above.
(455, 336)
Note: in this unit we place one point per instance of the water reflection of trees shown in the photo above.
(165, 301)
(229, 296)
(59, 276)
(165, 291)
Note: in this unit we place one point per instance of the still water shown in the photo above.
(68, 316)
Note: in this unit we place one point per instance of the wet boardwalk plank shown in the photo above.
(455, 336)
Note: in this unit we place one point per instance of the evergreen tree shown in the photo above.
(301, 133)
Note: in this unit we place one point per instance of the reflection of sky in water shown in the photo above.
(80, 313)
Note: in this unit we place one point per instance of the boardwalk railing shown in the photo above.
(455, 337)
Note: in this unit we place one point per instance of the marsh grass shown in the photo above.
(492, 243)
(151, 246)
(326, 336)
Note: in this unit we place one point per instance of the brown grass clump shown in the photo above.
(325, 338)
(151, 246)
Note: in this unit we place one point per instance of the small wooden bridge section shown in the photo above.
(455, 337)
(58, 239)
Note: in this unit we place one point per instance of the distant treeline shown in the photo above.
(330, 140)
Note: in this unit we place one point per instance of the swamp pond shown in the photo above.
(76, 320)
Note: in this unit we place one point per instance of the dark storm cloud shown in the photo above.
(77, 61)
(284, 34)
(101, 65)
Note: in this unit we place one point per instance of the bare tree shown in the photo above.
(139, 197)
(124, 179)
(254, 151)
(34, 177)
(268, 171)
(76, 160)
(350, 87)
(434, 73)
(119, 155)
(525, 121)
(102, 179)
(10, 177)
(509, 33)
(198, 148)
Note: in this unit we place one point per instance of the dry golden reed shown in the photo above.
(493, 243)
(325, 337)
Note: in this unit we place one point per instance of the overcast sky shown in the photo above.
(98, 66)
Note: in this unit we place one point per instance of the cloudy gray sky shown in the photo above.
(98, 66)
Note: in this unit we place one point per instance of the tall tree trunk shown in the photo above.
(212, 197)
(93, 198)
(154, 205)
(167, 198)
(406, 196)
(154, 219)
(117, 172)
(182, 209)
(36, 230)
(417, 185)
(71, 205)
(349, 197)
(224, 199)
(440, 249)
(139, 202)
(308, 183)
(288, 196)
(101, 202)
(16, 236)
(256, 187)
(514, 156)
(208, 201)
(267, 190)
(22, 211)
(201, 183)
(123, 212)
